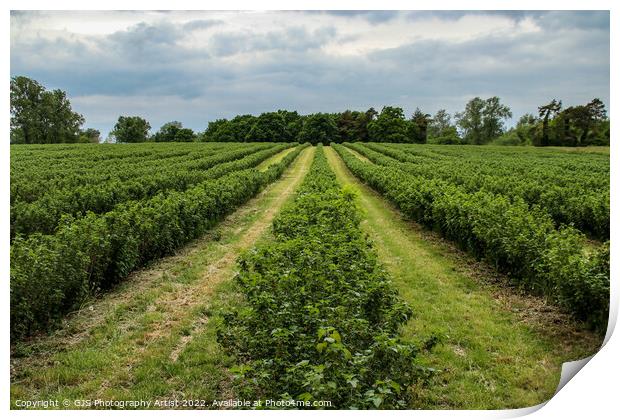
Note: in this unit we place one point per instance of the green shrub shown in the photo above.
(517, 239)
(321, 317)
(53, 274)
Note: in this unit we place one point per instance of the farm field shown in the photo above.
(219, 271)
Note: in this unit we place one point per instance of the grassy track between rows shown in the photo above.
(497, 348)
(274, 159)
(154, 337)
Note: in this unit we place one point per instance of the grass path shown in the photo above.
(497, 348)
(264, 165)
(154, 336)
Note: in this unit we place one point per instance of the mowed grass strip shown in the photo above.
(154, 337)
(496, 348)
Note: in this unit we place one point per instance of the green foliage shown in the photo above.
(482, 120)
(174, 131)
(390, 126)
(352, 125)
(520, 240)
(131, 130)
(102, 192)
(53, 274)
(90, 135)
(235, 130)
(509, 138)
(441, 130)
(417, 129)
(318, 128)
(448, 136)
(273, 127)
(322, 316)
(581, 125)
(41, 116)
(580, 199)
(522, 135)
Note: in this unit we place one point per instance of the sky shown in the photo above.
(196, 67)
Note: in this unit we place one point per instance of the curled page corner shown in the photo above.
(569, 370)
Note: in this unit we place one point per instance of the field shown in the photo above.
(365, 275)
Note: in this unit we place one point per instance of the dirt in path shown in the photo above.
(497, 348)
(155, 321)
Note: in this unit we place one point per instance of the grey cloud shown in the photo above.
(372, 16)
(202, 24)
(572, 19)
(568, 59)
(290, 39)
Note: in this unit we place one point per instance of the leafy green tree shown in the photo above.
(240, 126)
(269, 127)
(131, 130)
(371, 114)
(318, 128)
(293, 122)
(418, 126)
(526, 129)
(439, 124)
(547, 112)
(90, 135)
(353, 125)
(215, 130)
(390, 126)
(493, 115)
(583, 118)
(470, 121)
(346, 126)
(482, 120)
(441, 130)
(41, 116)
(174, 131)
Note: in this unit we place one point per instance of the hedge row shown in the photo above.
(321, 317)
(44, 214)
(573, 201)
(33, 178)
(520, 241)
(53, 274)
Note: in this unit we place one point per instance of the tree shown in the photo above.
(482, 120)
(353, 125)
(269, 127)
(41, 116)
(240, 126)
(546, 112)
(214, 130)
(526, 129)
(470, 121)
(371, 114)
(439, 124)
(493, 116)
(174, 131)
(131, 130)
(90, 135)
(441, 130)
(293, 123)
(318, 128)
(418, 126)
(390, 126)
(584, 118)
(346, 126)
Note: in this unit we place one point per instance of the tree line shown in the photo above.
(42, 116)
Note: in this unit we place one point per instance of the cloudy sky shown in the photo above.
(198, 66)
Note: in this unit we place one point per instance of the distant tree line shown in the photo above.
(42, 116)
(45, 116)
(581, 125)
